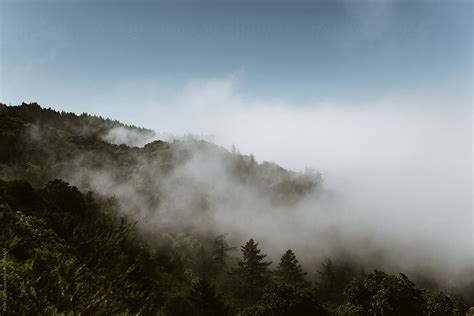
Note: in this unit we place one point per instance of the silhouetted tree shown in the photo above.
(440, 304)
(205, 301)
(220, 251)
(290, 271)
(252, 274)
(220, 255)
(203, 266)
(327, 287)
(332, 279)
(286, 300)
(382, 294)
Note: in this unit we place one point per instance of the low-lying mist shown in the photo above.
(397, 191)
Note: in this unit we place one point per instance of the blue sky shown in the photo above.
(64, 53)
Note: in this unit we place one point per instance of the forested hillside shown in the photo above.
(42, 144)
(98, 228)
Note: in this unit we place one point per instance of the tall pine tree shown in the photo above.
(220, 254)
(220, 258)
(252, 274)
(332, 279)
(289, 270)
(205, 301)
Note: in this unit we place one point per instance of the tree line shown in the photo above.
(72, 252)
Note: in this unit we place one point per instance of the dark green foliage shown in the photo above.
(382, 294)
(84, 124)
(43, 274)
(286, 300)
(205, 301)
(203, 265)
(379, 293)
(177, 304)
(220, 253)
(20, 194)
(440, 304)
(80, 257)
(251, 276)
(220, 257)
(200, 299)
(289, 270)
(327, 285)
(63, 197)
(78, 263)
(220, 263)
(331, 281)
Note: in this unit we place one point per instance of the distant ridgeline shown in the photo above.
(42, 144)
(71, 252)
(85, 125)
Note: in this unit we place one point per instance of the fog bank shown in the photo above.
(397, 176)
(400, 166)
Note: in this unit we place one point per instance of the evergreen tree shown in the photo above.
(220, 254)
(332, 279)
(290, 271)
(252, 274)
(440, 304)
(379, 293)
(205, 301)
(286, 300)
(327, 279)
(252, 264)
(220, 257)
(203, 264)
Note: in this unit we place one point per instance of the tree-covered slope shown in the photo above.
(42, 144)
(67, 252)
(154, 230)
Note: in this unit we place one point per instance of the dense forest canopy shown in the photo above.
(95, 226)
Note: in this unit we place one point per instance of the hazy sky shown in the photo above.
(252, 73)
(65, 53)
